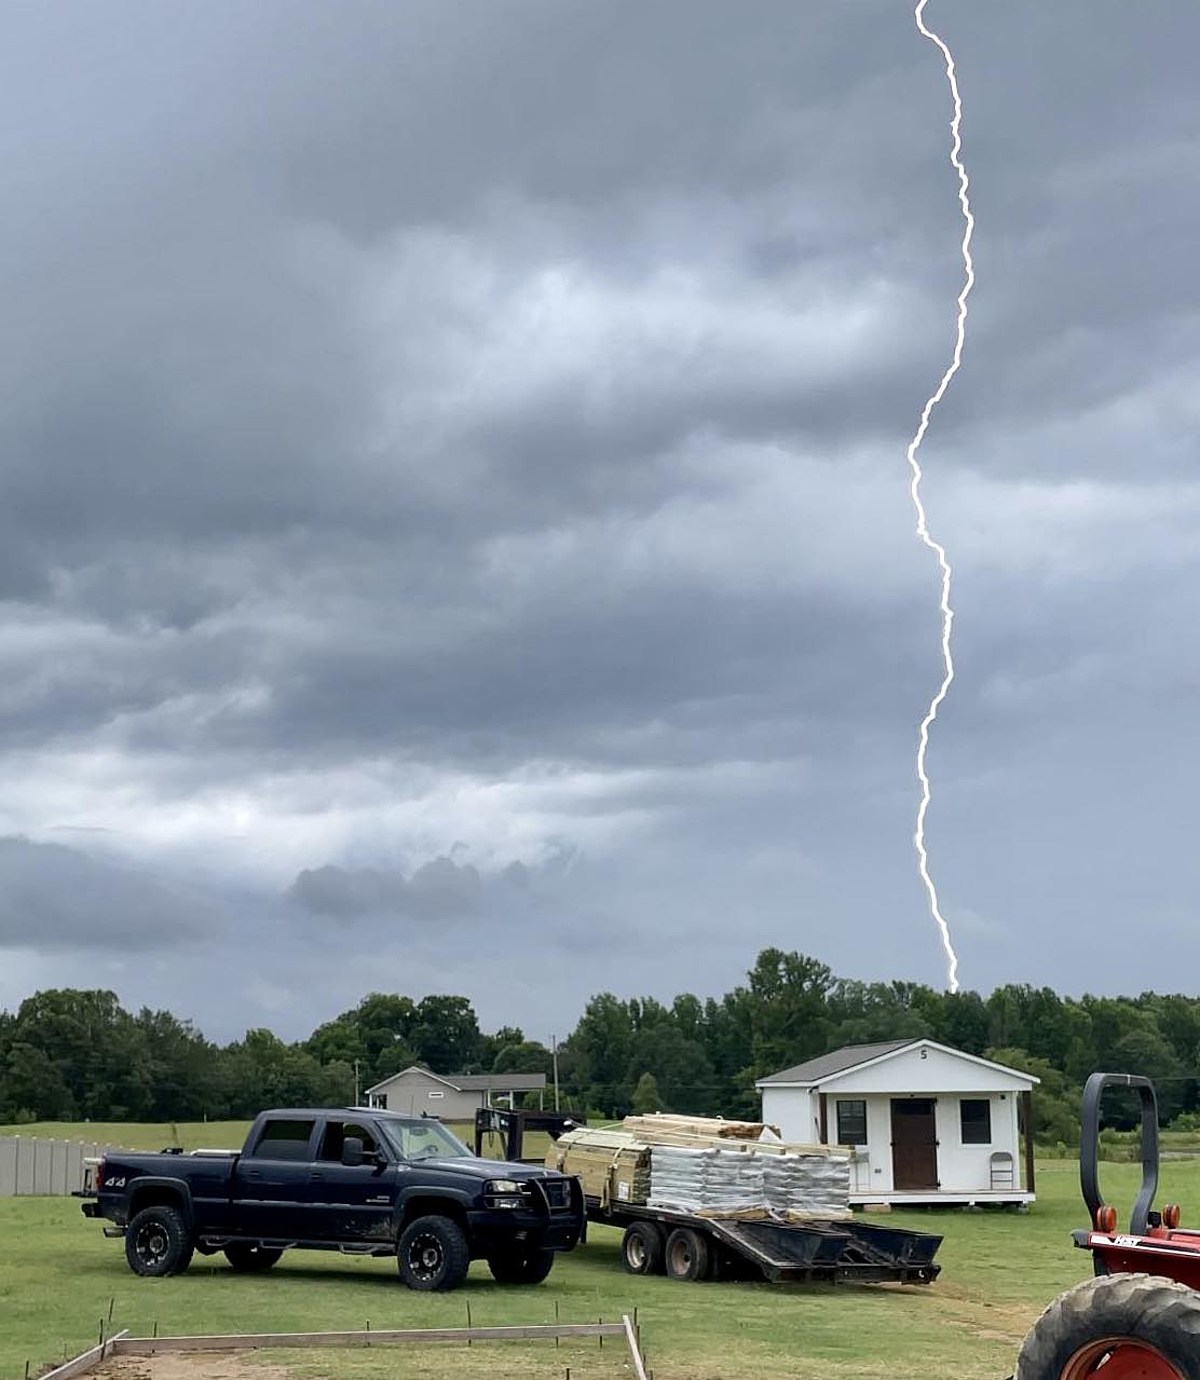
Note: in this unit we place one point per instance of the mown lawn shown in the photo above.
(212, 1135)
(59, 1277)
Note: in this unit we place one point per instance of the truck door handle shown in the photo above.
(316, 1174)
(253, 1173)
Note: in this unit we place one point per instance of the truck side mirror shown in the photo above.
(352, 1151)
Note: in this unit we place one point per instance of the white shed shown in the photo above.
(929, 1124)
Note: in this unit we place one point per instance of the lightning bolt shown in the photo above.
(922, 525)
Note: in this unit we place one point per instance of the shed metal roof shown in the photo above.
(836, 1061)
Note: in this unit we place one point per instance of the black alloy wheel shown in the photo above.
(432, 1254)
(157, 1243)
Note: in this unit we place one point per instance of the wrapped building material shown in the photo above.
(729, 1183)
(681, 1167)
(611, 1165)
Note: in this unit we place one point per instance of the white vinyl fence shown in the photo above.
(34, 1165)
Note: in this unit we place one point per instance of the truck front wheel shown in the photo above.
(1138, 1325)
(432, 1254)
(158, 1243)
(520, 1266)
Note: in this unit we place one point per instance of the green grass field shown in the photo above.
(59, 1277)
(213, 1135)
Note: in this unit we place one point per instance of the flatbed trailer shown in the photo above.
(686, 1246)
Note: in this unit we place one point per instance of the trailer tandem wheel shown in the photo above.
(642, 1248)
(689, 1256)
(1116, 1327)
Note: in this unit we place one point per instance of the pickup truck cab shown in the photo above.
(357, 1180)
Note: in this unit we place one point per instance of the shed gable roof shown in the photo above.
(829, 1067)
(836, 1061)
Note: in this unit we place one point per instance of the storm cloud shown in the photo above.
(454, 497)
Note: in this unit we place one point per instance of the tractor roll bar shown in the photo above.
(1089, 1145)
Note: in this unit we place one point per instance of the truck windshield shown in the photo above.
(423, 1140)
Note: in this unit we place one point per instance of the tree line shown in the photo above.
(71, 1055)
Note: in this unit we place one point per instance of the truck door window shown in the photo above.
(335, 1136)
(284, 1140)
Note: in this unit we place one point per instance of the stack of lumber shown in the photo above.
(659, 1127)
(610, 1163)
(706, 1167)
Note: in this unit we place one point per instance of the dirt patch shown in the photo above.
(481, 1361)
(193, 1365)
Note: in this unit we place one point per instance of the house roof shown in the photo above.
(499, 1082)
(836, 1061)
(839, 1061)
(471, 1082)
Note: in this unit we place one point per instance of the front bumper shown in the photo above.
(560, 1227)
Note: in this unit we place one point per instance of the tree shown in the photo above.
(1056, 1100)
(789, 1011)
(599, 1048)
(645, 1096)
(446, 1035)
(527, 1057)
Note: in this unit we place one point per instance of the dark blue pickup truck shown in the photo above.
(356, 1180)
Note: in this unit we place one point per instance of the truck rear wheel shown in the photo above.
(521, 1266)
(432, 1254)
(248, 1258)
(158, 1243)
(687, 1255)
(642, 1248)
(1135, 1326)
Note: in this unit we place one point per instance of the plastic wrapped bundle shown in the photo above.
(807, 1185)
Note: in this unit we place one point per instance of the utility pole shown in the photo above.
(554, 1054)
(356, 1082)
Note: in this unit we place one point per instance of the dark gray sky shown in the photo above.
(456, 531)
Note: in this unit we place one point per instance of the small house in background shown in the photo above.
(455, 1096)
(928, 1124)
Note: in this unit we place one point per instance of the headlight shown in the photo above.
(503, 1186)
(504, 1193)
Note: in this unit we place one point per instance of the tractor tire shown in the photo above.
(432, 1254)
(1139, 1325)
(158, 1243)
(642, 1249)
(687, 1255)
(247, 1258)
(521, 1267)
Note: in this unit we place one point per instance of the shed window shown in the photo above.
(976, 1113)
(852, 1123)
(437, 1093)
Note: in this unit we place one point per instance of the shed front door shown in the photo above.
(914, 1144)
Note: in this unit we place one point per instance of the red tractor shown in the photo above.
(1139, 1318)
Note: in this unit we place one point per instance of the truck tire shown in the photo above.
(687, 1255)
(248, 1258)
(521, 1266)
(432, 1254)
(158, 1243)
(1140, 1324)
(642, 1248)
